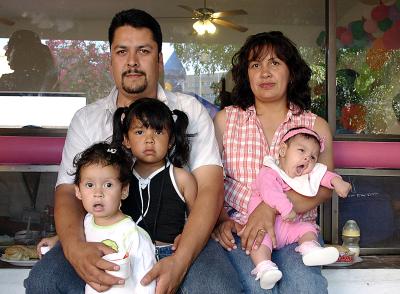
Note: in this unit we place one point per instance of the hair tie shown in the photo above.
(112, 150)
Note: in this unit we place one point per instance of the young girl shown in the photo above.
(296, 169)
(161, 192)
(101, 181)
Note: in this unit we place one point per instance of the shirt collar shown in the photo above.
(111, 101)
(111, 104)
(162, 94)
(251, 113)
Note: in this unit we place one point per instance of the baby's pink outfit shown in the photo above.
(270, 188)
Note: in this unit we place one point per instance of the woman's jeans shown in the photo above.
(296, 277)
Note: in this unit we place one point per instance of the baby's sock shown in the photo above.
(268, 274)
(313, 254)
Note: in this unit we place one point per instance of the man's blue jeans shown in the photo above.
(211, 272)
(297, 278)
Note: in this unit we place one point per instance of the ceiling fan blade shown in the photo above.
(228, 24)
(176, 17)
(6, 21)
(228, 13)
(190, 9)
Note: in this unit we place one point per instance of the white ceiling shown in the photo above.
(89, 19)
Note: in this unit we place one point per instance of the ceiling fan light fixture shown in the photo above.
(202, 26)
(199, 27)
(210, 27)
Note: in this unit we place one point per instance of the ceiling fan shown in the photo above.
(207, 17)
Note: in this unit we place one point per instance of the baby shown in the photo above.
(296, 169)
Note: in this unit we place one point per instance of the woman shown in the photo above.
(271, 96)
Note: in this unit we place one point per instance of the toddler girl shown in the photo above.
(161, 192)
(101, 180)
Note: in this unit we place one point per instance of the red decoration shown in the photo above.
(391, 38)
(380, 12)
(353, 117)
(346, 38)
(340, 31)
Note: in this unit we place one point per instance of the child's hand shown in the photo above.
(290, 217)
(342, 188)
(176, 242)
(46, 242)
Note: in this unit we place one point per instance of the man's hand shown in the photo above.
(168, 273)
(223, 233)
(86, 258)
(260, 222)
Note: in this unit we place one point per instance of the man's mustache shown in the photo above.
(133, 71)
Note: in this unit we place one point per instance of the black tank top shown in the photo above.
(142, 206)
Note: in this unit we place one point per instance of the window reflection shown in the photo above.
(32, 64)
(368, 68)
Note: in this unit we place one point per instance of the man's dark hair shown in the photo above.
(298, 90)
(138, 19)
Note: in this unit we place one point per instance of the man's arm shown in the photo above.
(205, 211)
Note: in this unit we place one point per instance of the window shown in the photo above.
(368, 67)
(360, 98)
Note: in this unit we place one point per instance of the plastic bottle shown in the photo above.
(351, 237)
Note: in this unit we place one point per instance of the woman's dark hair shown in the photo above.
(104, 154)
(156, 115)
(138, 19)
(298, 91)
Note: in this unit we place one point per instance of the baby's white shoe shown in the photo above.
(268, 274)
(313, 254)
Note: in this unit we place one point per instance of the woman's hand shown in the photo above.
(261, 221)
(223, 233)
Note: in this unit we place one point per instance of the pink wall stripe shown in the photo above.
(361, 154)
(347, 154)
(30, 150)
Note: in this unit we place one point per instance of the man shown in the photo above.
(136, 62)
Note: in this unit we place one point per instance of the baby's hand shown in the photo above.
(46, 242)
(290, 217)
(341, 187)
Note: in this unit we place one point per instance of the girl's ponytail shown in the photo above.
(119, 125)
(180, 149)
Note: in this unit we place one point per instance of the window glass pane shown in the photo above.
(77, 41)
(70, 55)
(374, 203)
(368, 67)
